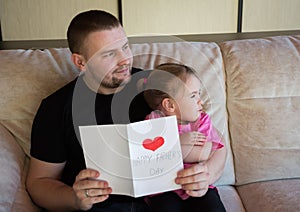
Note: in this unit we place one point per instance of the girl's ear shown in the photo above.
(79, 61)
(168, 104)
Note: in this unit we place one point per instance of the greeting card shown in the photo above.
(136, 159)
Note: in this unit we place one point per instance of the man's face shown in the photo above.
(109, 60)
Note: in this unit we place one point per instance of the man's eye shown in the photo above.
(125, 47)
(108, 54)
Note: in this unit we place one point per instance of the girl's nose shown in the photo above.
(199, 104)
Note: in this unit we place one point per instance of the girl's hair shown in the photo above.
(165, 81)
(85, 23)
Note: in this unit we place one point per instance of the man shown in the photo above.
(58, 179)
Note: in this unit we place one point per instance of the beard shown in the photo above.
(116, 82)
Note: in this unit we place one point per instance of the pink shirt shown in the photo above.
(204, 125)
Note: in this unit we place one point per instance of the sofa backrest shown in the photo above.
(263, 101)
(206, 59)
(28, 76)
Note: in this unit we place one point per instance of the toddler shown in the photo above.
(174, 89)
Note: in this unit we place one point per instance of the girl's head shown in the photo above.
(174, 89)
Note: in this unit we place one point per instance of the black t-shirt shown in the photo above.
(55, 133)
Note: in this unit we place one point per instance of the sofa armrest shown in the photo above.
(12, 159)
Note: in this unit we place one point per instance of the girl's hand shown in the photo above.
(192, 138)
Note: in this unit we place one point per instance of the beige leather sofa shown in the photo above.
(251, 89)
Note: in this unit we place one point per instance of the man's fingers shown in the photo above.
(90, 184)
(196, 193)
(192, 179)
(193, 170)
(87, 173)
(200, 185)
(93, 192)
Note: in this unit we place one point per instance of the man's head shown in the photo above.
(100, 49)
(85, 23)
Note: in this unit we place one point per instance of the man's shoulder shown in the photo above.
(62, 94)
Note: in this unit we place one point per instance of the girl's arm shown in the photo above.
(194, 147)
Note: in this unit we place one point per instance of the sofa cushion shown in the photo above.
(263, 103)
(206, 59)
(230, 198)
(27, 76)
(12, 164)
(22, 201)
(270, 196)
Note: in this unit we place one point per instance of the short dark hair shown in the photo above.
(87, 22)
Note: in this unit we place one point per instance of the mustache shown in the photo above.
(121, 68)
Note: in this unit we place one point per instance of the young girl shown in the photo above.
(174, 89)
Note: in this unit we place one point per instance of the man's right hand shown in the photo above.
(89, 190)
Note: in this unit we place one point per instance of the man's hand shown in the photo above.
(89, 190)
(194, 180)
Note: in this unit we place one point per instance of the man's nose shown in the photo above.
(124, 58)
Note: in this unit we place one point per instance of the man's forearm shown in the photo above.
(53, 195)
(216, 164)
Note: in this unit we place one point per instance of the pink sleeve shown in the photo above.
(205, 126)
(155, 114)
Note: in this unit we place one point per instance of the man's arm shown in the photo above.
(196, 153)
(194, 147)
(216, 164)
(44, 185)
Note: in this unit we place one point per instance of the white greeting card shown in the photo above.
(136, 159)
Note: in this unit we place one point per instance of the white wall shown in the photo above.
(179, 16)
(49, 19)
(44, 19)
(271, 15)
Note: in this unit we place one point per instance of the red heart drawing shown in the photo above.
(153, 144)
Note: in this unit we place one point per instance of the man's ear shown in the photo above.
(168, 104)
(79, 61)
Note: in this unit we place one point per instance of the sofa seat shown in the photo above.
(270, 196)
